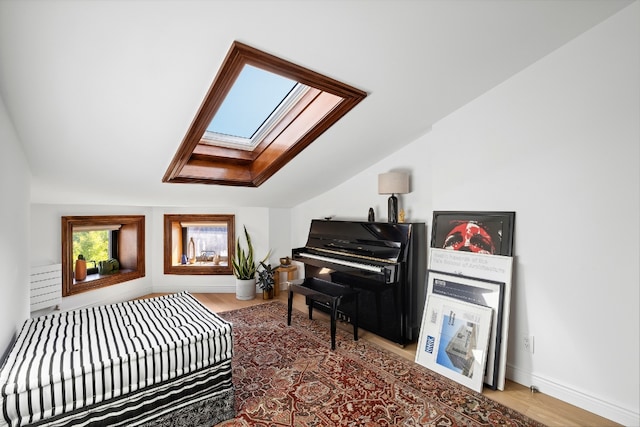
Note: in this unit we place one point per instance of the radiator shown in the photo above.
(46, 286)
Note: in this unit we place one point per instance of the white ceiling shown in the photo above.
(101, 93)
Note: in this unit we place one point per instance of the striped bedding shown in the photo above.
(119, 364)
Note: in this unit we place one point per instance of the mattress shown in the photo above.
(127, 358)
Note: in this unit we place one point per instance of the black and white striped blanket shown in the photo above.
(63, 362)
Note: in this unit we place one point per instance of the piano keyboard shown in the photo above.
(368, 267)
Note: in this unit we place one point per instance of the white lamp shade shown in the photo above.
(393, 183)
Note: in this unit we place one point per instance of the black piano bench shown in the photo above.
(326, 292)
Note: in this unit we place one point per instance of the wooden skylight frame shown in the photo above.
(199, 161)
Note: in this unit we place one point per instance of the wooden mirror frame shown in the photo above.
(169, 245)
(131, 251)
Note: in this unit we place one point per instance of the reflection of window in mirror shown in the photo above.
(101, 238)
(198, 244)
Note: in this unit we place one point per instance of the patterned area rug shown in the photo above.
(287, 376)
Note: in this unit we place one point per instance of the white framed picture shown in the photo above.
(481, 292)
(482, 266)
(454, 339)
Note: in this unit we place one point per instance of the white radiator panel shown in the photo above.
(46, 286)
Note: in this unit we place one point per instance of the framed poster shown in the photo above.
(481, 266)
(480, 232)
(454, 338)
(481, 292)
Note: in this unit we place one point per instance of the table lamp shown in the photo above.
(393, 183)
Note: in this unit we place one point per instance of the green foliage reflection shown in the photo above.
(94, 245)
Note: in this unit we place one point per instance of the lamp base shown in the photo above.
(393, 209)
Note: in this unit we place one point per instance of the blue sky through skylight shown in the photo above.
(253, 97)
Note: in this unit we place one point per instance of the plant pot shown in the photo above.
(245, 289)
(268, 293)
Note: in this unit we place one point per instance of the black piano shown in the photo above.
(385, 262)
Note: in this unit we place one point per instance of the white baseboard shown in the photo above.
(584, 401)
(206, 289)
(127, 295)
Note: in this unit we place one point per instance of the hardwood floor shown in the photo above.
(543, 408)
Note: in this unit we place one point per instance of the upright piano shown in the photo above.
(385, 262)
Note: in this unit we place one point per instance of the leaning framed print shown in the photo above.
(480, 232)
(454, 338)
(480, 292)
(495, 268)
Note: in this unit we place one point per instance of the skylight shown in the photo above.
(254, 96)
(260, 112)
(257, 101)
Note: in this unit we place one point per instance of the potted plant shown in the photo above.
(266, 280)
(244, 268)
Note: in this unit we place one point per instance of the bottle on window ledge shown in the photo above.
(81, 268)
(191, 251)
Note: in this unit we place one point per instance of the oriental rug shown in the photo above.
(288, 376)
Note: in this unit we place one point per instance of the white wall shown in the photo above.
(45, 248)
(261, 224)
(559, 144)
(257, 222)
(15, 180)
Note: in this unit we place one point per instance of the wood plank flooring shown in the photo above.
(540, 407)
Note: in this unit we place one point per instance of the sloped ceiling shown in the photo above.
(101, 93)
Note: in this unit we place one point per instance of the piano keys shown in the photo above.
(385, 262)
(370, 267)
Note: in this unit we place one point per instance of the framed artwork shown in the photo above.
(479, 232)
(495, 268)
(454, 338)
(481, 292)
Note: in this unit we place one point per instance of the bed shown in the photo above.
(159, 361)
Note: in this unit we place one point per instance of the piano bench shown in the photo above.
(326, 292)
